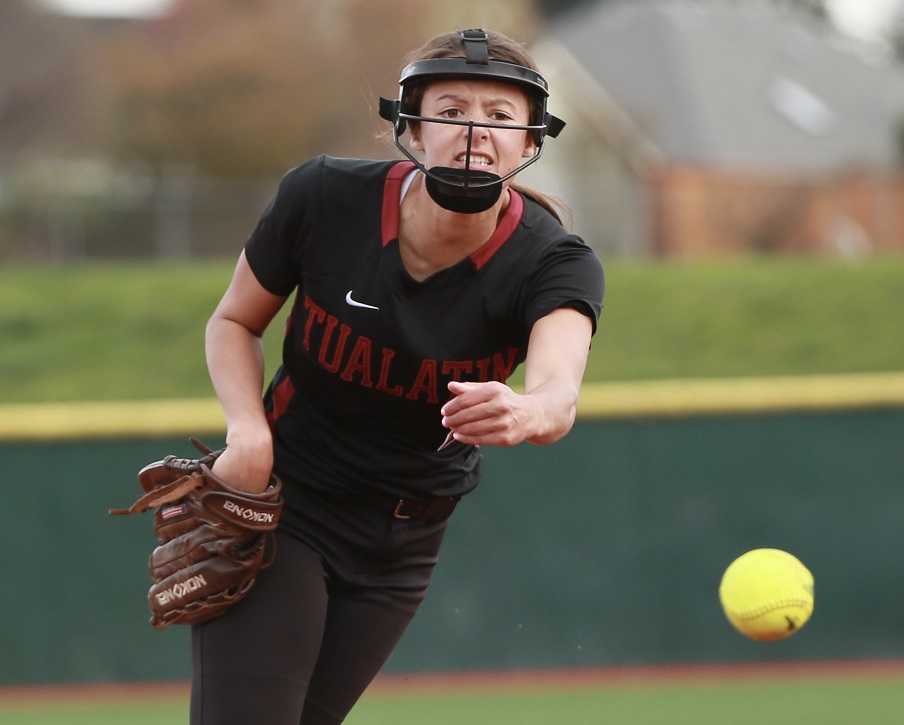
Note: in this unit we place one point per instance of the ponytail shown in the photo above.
(553, 204)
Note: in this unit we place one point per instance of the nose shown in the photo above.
(479, 133)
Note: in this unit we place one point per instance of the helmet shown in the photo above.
(467, 190)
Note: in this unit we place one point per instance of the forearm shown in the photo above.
(235, 362)
(553, 370)
(554, 403)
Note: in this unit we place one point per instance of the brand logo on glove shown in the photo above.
(180, 589)
(259, 517)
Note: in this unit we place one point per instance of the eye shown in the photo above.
(451, 113)
(501, 116)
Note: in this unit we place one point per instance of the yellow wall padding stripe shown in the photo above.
(655, 399)
(669, 398)
(119, 419)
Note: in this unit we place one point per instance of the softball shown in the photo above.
(767, 594)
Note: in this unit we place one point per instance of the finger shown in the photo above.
(467, 394)
(482, 428)
(457, 387)
(460, 395)
(503, 438)
(471, 413)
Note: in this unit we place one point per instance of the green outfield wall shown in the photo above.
(604, 549)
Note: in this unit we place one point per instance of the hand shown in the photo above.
(247, 462)
(490, 414)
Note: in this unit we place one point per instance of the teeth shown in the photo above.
(477, 160)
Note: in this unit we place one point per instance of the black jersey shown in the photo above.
(369, 350)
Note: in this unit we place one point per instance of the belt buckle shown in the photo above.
(397, 512)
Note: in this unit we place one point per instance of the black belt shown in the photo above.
(431, 510)
(424, 510)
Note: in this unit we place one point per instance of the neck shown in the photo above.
(440, 236)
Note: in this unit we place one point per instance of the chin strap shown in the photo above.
(453, 189)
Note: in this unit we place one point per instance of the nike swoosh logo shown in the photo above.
(353, 303)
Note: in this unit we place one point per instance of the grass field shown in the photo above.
(756, 699)
(104, 332)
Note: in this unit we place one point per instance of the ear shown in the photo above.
(530, 148)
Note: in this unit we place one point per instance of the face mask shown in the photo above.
(469, 191)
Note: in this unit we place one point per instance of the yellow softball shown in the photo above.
(767, 594)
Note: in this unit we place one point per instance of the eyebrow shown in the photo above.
(495, 101)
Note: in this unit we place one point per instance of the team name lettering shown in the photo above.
(180, 589)
(358, 359)
(260, 517)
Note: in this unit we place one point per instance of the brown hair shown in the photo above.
(500, 47)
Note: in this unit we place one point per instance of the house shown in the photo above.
(703, 127)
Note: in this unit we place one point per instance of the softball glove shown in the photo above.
(212, 539)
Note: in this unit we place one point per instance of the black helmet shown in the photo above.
(465, 190)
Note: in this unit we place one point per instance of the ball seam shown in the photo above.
(760, 611)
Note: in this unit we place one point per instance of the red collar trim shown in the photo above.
(390, 218)
(504, 230)
(391, 190)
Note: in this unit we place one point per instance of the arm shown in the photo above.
(493, 414)
(235, 362)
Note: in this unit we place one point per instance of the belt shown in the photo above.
(430, 510)
(425, 510)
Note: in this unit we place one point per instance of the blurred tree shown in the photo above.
(240, 87)
(42, 80)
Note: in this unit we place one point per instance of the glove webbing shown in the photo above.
(162, 495)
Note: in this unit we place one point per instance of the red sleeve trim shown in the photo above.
(504, 230)
(391, 190)
(282, 396)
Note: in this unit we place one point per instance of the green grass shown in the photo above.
(103, 332)
(139, 712)
(749, 704)
(755, 702)
(751, 317)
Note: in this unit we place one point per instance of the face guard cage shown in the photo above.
(466, 190)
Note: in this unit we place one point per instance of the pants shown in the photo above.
(318, 625)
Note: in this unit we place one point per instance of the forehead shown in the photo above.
(477, 91)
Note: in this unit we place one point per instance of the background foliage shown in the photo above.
(227, 87)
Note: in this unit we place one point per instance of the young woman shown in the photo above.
(419, 286)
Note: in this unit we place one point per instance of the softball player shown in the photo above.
(419, 286)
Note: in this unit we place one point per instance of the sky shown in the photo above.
(861, 18)
(110, 8)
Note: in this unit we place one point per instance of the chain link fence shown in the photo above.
(69, 211)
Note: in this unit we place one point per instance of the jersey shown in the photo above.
(369, 350)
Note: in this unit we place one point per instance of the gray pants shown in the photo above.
(318, 625)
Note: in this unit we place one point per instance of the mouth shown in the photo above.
(478, 160)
